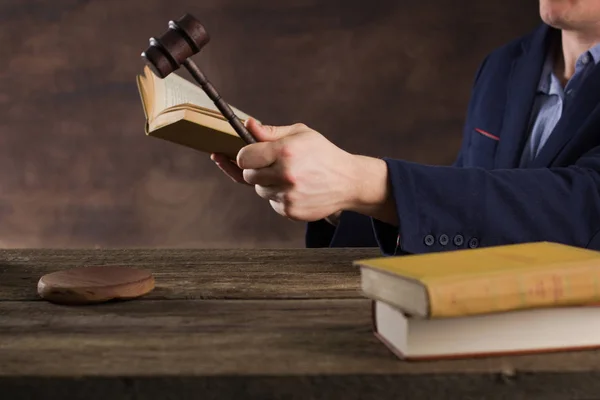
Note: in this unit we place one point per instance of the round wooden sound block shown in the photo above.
(95, 284)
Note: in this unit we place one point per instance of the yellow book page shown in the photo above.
(145, 95)
(176, 91)
(483, 261)
(198, 110)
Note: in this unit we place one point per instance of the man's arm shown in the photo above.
(430, 208)
(490, 207)
(437, 208)
(344, 229)
(351, 229)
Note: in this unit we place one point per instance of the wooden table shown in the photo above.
(239, 324)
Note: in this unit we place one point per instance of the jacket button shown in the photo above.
(473, 243)
(429, 240)
(444, 239)
(459, 240)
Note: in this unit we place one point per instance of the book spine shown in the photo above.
(563, 286)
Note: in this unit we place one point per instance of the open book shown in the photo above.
(179, 111)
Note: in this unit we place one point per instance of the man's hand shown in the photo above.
(306, 177)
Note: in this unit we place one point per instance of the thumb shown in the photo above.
(266, 133)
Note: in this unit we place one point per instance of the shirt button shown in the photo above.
(444, 239)
(458, 240)
(473, 243)
(429, 240)
(585, 59)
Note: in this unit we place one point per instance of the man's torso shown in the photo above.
(519, 114)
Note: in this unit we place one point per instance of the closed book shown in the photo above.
(484, 280)
(540, 330)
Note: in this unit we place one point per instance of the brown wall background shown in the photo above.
(382, 77)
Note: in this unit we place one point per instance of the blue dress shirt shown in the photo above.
(552, 99)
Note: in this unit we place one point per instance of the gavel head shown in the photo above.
(184, 38)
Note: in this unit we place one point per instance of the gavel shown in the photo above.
(184, 38)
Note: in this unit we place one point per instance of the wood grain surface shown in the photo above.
(264, 324)
(201, 273)
(224, 337)
(383, 78)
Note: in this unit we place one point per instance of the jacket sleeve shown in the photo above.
(356, 230)
(474, 207)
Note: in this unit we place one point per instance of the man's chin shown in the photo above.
(556, 14)
(559, 22)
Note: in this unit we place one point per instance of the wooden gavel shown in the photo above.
(184, 38)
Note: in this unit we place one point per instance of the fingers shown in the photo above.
(272, 193)
(266, 133)
(278, 207)
(269, 147)
(281, 209)
(228, 167)
(253, 160)
(264, 176)
(271, 176)
(257, 155)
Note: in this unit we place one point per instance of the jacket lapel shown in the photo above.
(581, 109)
(522, 88)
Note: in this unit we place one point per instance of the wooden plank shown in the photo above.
(293, 349)
(224, 338)
(202, 273)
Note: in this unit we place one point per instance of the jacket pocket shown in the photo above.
(486, 134)
(482, 148)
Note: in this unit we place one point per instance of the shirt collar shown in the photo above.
(549, 83)
(546, 84)
(594, 52)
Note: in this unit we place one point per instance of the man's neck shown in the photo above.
(573, 44)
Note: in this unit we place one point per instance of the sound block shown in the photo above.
(95, 284)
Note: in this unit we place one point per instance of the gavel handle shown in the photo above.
(219, 102)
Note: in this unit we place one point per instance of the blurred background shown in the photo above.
(382, 78)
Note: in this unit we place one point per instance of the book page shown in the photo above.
(141, 85)
(178, 90)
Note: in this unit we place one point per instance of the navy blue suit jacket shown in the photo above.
(485, 198)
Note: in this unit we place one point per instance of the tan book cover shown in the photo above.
(484, 280)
